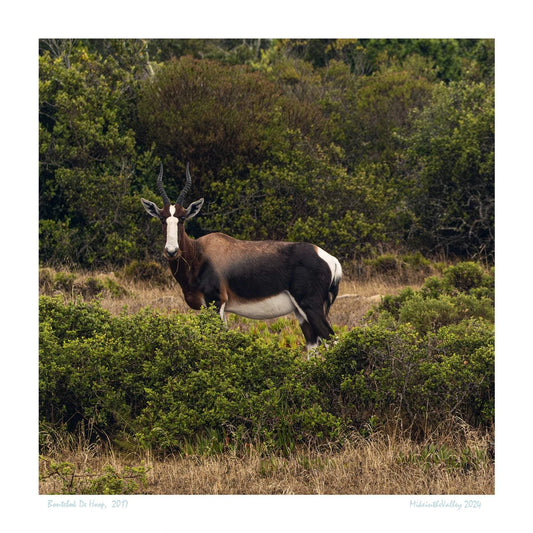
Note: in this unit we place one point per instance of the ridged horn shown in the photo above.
(185, 189)
(160, 187)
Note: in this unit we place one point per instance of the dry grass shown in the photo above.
(378, 465)
(355, 298)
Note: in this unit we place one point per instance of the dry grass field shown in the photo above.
(382, 463)
(355, 298)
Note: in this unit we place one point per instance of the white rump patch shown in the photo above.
(333, 263)
(272, 307)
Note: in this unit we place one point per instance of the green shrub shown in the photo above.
(393, 304)
(64, 282)
(417, 260)
(228, 384)
(185, 382)
(72, 285)
(467, 277)
(172, 380)
(464, 276)
(424, 356)
(114, 288)
(401, 376)
(385, 264)
(92, 287)
(112, 482)
(366, 375)
(85, 381)
(409, 267)
(58, 241)
(464, 291)
(430, 314)
(72, 320)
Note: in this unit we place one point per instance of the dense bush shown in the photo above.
(401, 377)
(180, 380)
(146, 272)
(89, 163)
(361, 146)
(212, 114)
(451, 152)
(171, 379)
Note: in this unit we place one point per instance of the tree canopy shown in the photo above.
(361, 146)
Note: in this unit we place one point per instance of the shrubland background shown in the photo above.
(360, 146)
(382, 152)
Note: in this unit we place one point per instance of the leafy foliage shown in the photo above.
(213, 114)
(87, 156)
(361, 146)
(172, 382)
(451, 151)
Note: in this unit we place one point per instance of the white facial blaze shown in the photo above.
(172, 245)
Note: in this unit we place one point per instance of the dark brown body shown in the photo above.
(255, 279)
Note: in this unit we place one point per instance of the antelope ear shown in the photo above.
(151, 208)
(194, 209)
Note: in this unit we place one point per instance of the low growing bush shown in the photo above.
(185, 381)
(171, 379)
(418, 380)
(128, 481)
(464, 291)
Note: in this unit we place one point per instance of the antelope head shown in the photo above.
(173, 216)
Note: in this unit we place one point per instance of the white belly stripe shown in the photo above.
(272, 307)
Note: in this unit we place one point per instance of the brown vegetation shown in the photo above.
(377, 465)
(162, 292)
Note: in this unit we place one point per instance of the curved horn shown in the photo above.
(185, 189)
(160, 187)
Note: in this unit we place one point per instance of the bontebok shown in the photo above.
(255, 279)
